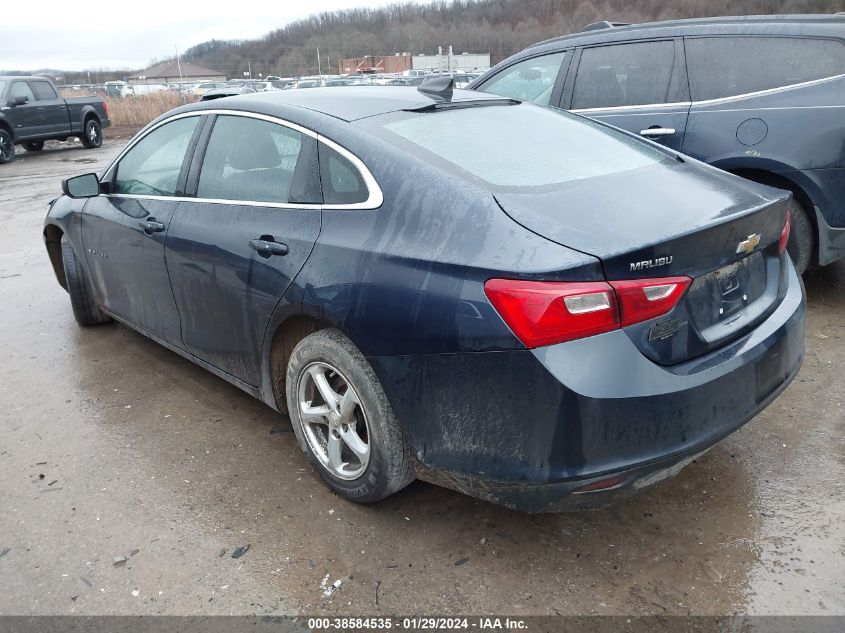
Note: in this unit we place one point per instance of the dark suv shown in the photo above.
(760, 96)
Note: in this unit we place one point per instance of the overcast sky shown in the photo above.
(120, 34)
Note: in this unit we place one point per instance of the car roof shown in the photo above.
(11, 77)
(752, 24)
(350, 104)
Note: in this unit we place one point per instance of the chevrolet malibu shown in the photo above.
(518, 303)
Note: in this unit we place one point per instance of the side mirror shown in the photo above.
(19, 100)
(84, 186)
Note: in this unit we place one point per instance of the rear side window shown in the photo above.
(21, 89)
(529, 80)
(341, 181)
(515, 146)
(730, 66)
(43, 91)
(249, 159)
(624, 75)
(152, 166)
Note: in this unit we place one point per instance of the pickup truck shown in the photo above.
(31, 112)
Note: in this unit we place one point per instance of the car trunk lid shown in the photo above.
(672, 220)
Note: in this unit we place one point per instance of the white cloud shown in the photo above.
(115, 34)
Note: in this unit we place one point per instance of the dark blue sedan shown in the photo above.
(515, 302)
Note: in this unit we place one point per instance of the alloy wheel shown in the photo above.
(333, 421)
(5, 146)
(93, 133)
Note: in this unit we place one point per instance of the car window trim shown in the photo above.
(374, 199)
(644, 106)
(767, 90)
(678, 68)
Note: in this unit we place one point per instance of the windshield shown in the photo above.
(2, 86)
(509, 146)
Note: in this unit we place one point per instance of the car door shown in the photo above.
(124, 229)
(637, 86)
(52, 107)
(538, 79)
(233, 251)
(750, 112)
(27, 119)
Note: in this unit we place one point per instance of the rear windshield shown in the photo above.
(515, 146)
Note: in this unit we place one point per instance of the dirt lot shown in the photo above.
(112, 446)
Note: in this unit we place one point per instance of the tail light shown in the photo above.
(644, 299)
(784, 234)
(546, 312)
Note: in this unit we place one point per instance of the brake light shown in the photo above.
(644, 299)
(784, 234)
(545, 312)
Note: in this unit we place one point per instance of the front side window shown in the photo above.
(730, 66)
(624, 75)
(529, 80)
(44, 91)
(152, 166)
(513, 147)
(249, 159)
(21, 89)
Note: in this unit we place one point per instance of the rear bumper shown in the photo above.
(526, 429)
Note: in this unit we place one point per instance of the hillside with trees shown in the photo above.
(498, 27)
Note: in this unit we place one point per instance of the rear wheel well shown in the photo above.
(53, 240)
(286, 337)
(776, 180)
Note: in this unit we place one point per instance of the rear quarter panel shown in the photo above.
(408, 277)
(79, 107)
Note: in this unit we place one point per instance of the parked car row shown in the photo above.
(200, 88)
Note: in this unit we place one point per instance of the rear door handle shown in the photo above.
(658, 131)
(151, 226)
(267, 248)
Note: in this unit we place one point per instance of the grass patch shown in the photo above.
(140, 110)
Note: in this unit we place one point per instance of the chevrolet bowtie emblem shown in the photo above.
(749, 243)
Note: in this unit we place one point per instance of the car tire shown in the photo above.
(34, 146)
(363, 423)
(7, 147)
(802, 240)
(92, 134)
(85, 308)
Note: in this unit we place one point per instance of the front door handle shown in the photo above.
(266, 248)
(151, 226)
(657, 131)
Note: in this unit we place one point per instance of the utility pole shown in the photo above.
(249, 67)
(319, 67)
(178, 63)
(451, 61)
(179, 66)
